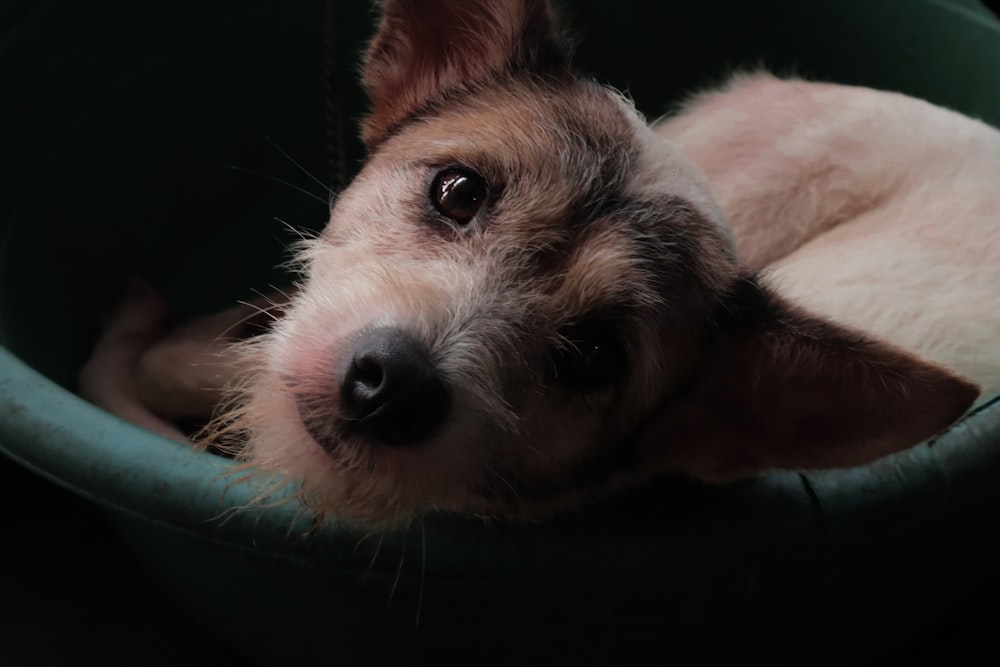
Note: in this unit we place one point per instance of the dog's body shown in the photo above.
(875, 209)
(528, 295)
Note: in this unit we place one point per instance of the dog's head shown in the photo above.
(526, 295)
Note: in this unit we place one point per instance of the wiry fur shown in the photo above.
(490, 302)
(593, 217)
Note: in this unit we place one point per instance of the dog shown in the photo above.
(529, 296)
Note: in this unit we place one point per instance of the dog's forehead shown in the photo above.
(566, 130)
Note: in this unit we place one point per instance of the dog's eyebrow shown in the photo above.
(687, 260)
(665, 235)
(602, 165)
(652, 209)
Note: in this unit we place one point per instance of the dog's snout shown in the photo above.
(392, 389)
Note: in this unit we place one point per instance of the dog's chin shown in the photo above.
(353, 478)
(344, 475)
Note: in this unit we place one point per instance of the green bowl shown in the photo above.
(151, 139)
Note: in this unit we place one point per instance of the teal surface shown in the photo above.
(145, 138)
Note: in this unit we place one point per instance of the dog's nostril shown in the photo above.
(391, 388)
(366, 377)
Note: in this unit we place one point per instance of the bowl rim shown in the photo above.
(166, 483)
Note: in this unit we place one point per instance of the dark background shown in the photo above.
(71, 594)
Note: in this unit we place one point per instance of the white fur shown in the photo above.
(903, 239)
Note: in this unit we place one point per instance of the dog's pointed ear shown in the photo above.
(786, 390)
(425, 48)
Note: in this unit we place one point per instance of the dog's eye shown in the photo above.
(590, 359)
(458, 194)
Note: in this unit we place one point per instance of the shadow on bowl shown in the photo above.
(157, 146)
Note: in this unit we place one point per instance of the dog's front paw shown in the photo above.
(109, 379)
(183, 375)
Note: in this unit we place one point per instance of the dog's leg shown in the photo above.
(156, 378)
(108, 379)
(183, 375)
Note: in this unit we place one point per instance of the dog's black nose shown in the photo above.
(392, 389)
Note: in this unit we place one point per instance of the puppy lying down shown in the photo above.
(529, 296)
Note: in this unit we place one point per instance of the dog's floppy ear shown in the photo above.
(786, 390)
(425, 48)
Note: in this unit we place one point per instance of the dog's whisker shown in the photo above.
(267, 310)
(371, 562)
(299, 166)
(496, 475)
(283, 292)
(275, 179)
(399, 568)
(304, 234)
(423, 572)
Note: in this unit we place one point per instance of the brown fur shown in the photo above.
(754, 406)
(595, 238)
(422, 50)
